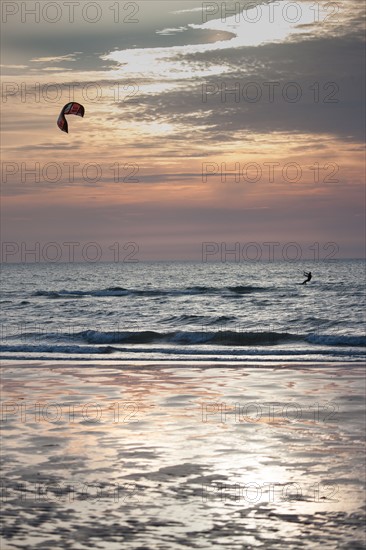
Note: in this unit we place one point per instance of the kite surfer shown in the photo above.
(308, 276)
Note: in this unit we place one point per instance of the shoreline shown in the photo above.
(168, 363)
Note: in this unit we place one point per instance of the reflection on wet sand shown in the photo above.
(182, 456)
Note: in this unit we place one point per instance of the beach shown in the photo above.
(171, 456)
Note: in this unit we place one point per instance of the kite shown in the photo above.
(72, 108)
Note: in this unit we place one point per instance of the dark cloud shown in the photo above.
(329, 88)
(48, 147)
(114, 30)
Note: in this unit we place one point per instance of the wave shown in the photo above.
(42, 352)
(337, 340)
(223, 338)
(120, 291)
(80, 293)
(185, 319)
(202, 319)
(231, 338)
(180, 338)
(222, 319)
(245, 289)
(74, 349)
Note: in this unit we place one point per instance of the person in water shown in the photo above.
(308, 276)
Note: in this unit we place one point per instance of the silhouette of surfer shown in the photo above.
(308, 276)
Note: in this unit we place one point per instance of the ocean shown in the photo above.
(179, 311)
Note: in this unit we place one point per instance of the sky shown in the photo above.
(205, 122)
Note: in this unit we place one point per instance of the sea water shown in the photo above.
(180, 311)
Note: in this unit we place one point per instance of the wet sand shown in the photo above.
(150, 456)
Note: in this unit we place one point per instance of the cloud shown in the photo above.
(55, 69)
(171, 31)
(54, 59)
(48, 147)
(162, 227)
(14, 66)
(329, 90)
(190, 10)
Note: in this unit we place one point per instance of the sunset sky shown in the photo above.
(166, 158)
